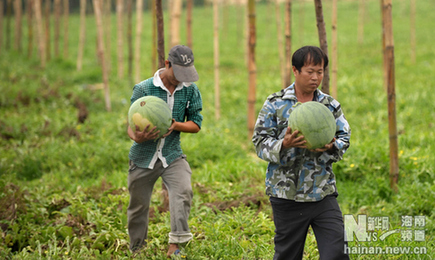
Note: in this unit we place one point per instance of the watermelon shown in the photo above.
(315, 122)
(150, 110)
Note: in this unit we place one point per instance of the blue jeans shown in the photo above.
(292, 220)
(177, 179)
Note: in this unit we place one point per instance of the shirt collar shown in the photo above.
(157, 81)
(289, 93)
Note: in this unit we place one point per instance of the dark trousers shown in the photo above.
(292, 220)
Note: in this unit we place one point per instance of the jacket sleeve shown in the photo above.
(266, 134)
(342, 136)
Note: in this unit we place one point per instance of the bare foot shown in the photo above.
(172, 249)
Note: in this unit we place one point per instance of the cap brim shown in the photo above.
(185, 74)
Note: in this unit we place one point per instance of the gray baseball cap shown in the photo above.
(181, 58)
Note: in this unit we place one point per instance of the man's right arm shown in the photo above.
(267, 146)
(130, 132)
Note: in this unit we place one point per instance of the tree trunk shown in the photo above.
(18, 24)
(138, 54)
(390, 69)
(120, 36)
(100, 43)
(47, 28)
(65, 27)
(189, 23)
(107, 19)
(252, 68)
(334, 56)
(175, 22)
(8, 23)
(280, 44)
(154, 38)
(1, 26)
(29, 10)
(160, 34)
(82, 34)
(39, 26)
(288, 43)
(323, 41)
(216, 61)
(57, 13)
(130, 40)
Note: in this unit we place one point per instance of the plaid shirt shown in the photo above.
(185, 104)
(295, 173)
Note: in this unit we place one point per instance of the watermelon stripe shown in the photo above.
(155, 110)
(315, 121)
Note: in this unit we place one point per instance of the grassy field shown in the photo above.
(63, 183)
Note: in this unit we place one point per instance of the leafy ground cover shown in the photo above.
(63, 181)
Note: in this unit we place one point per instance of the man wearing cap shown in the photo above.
(151, 159)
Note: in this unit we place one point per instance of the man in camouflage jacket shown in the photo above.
(300, 182)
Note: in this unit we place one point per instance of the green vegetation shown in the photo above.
(63, 183)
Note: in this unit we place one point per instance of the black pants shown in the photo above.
(292, 220)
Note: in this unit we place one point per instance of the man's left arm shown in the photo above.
(335, 150)
(193, 111)
(193, 115)
(185, 127)
(341, 141)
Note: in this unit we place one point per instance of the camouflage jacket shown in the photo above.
(295, 173)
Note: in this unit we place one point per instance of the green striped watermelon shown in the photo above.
(315, 122)
(150, 110)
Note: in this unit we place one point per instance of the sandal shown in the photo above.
(178, 255)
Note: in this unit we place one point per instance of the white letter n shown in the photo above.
(352, 227)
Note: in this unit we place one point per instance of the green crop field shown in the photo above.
(63, 183)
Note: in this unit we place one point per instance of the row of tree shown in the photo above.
(39, 13)
(74, 6)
